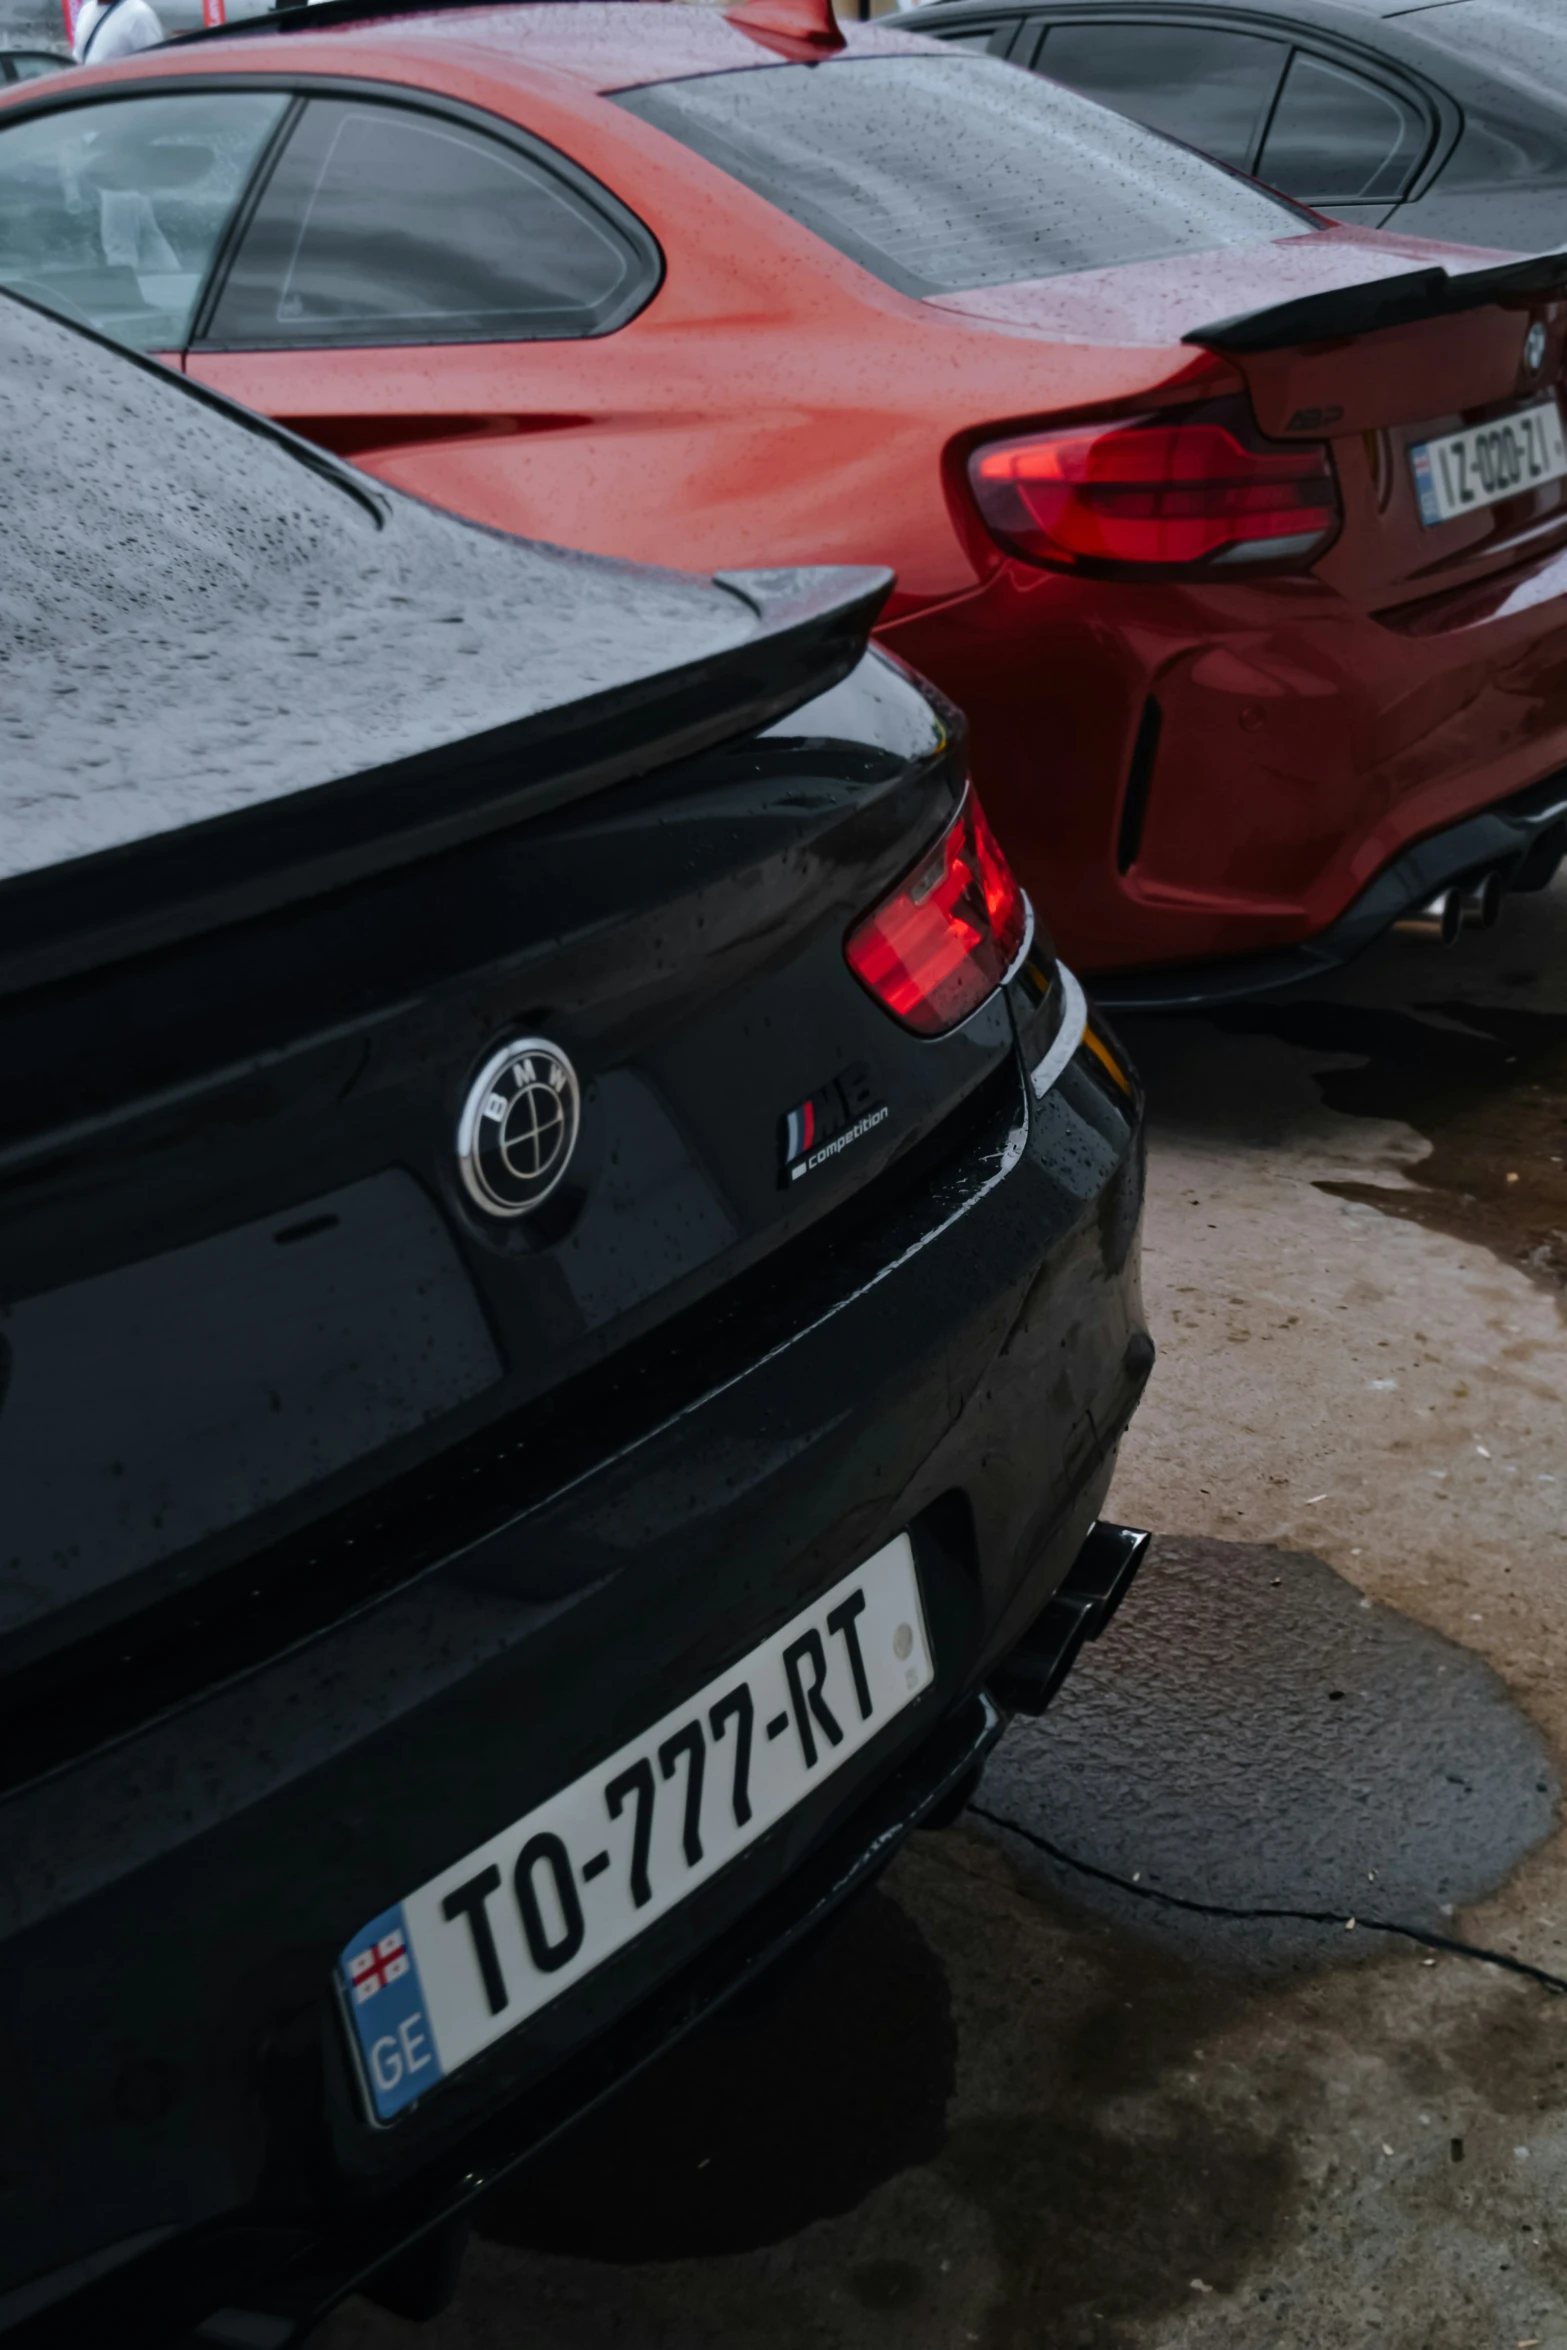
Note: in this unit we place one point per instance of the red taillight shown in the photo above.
(1158, 492)
(948, 935)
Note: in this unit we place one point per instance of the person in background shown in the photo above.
(114, 28)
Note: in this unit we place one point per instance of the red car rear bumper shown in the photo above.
(1230, 775)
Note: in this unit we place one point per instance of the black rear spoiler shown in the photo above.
(1382, 302)
(812, 625)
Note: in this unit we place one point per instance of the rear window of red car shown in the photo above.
(943, 173)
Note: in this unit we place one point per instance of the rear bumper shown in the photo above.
(265, 2284)
(184, 2134)
(1521, 841)
(1255, 777)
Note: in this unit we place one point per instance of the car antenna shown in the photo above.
(797, 29)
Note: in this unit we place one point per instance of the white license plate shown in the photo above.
(1489, 462)
(476, 1951)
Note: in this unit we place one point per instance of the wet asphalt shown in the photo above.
(1011, 2103)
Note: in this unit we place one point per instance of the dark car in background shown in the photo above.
(1446, 118)
(571, 1289)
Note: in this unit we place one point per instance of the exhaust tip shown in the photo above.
(1480, 902)
(1083, 1603)
(1440, 918)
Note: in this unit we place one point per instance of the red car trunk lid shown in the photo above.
(1369, 343)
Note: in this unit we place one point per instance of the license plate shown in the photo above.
(1489, 462)
(473, 1953)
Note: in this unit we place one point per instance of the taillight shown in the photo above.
(1196, 488)
(949, 933)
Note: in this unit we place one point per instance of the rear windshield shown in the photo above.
(943, 173)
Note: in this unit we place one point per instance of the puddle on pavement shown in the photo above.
(1252, 1732)
(754, 2127)
(1486, 1085)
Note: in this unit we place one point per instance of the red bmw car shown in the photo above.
(1241, 537)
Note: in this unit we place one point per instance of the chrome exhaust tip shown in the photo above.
(1441, 918)
(1480, 902)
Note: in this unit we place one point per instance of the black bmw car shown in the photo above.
(570, 1276)
(1442, 118)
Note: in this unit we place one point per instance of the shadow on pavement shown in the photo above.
(752, 2128)
(1096, 2183)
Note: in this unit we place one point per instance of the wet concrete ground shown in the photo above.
(1011, 2105)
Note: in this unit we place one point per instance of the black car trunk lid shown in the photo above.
(269, 1355)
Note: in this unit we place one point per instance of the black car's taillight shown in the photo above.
(947, 936)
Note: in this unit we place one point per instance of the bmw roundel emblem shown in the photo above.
(1534, 348)
(519, 1126)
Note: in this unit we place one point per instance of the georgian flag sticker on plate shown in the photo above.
(473, 1953)
(386, 2000)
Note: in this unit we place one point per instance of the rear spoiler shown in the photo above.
(1383, 302)
(812, 625)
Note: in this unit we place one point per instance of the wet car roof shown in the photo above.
(599, 44)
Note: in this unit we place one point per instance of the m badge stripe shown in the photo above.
(827, 1122)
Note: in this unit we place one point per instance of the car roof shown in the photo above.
(601, 45)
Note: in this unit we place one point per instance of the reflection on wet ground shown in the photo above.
(1484, 1085)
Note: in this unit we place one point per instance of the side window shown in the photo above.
(1211, 88)
(384, 224)
(112, 212)
(1335, 136)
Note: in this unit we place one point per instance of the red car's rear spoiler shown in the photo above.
(1382, 302)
